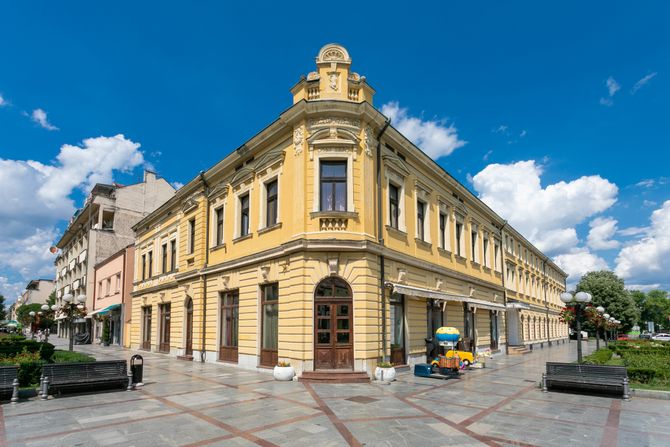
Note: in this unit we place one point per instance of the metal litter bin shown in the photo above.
(137, 369)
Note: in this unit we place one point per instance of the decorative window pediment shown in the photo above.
(189, 205)
(243, 175)
(395, 163)
(270, 159)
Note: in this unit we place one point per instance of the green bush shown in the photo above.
(71, 357)
(12, 347)
(599, 357)
(30, 367)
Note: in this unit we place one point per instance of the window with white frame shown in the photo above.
(333, 185)
(496, 255)
(271, 203)
(421, 220)
(118, 282)
(443, 225)
(395, 217)
(422, 213)
(485, 249)
(218, 226)
(474, 242)
(244, 215)
(191, 236)
(460, 239)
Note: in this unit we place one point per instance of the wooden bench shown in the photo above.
(9, 381)
(58, 377)
(598, 378)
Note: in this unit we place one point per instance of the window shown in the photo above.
(229, 326)
(244, 215)
(459, 238)
(109, 287)
(270, 328)
(485, 246)
(394, 210)
(144, 266)
(150, 261)
(146, 327)
(420, 220)
(173, 254)
(271, 207)
(219, 225)
(443, 231)
(118, 282)
(474, 240)
(333, 189)
(164, 258)
(108, 220)
(191, 236)
(99, 288)
(496, 255)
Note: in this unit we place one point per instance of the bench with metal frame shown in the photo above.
(598, 378)
(9, 381)
(58, 377)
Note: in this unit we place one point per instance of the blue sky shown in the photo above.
(560, 105)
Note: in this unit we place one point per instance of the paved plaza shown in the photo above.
(195, 404)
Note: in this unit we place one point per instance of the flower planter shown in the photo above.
(385, 374)
(283, 373)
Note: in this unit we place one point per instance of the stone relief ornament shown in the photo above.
(333, 79)
(368, 141)
(333, 54)
(298, 137)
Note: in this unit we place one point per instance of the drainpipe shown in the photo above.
(502, 273)
(380, 236)
(205, 186)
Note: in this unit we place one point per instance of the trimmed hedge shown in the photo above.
(599, 357)
(645, 364)
(30, 367)
(71, 357)
(10, 347)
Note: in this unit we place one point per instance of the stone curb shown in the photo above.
(651, 394)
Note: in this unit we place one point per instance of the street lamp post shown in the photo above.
(598, 321)
(578, 301)
(72, 308)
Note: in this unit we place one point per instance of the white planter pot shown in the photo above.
(283, 373)
(385, 374)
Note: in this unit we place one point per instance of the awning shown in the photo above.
(517, 305)
(103, 311)
(437, 295)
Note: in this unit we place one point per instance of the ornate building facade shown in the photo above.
(327, 240)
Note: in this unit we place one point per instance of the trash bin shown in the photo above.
(137, 368)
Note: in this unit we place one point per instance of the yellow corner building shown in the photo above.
(330, 241)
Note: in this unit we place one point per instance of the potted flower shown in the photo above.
(283, 371)
(385, 372)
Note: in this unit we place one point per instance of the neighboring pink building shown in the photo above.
(113, 280)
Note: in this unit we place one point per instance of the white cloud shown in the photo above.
(578, 262)
(39, 116)
(177, 185)
(633, 231)
(523, 133)
(646, 183)
(643, 287)
(601, 233)
(612, 86)
(546, 216)
(649, 203)
(642, 82)
(501, 129)
(3, 101)
(487, 154)
(434, 137)
(36, 197)
(10, 290)
(647, 260)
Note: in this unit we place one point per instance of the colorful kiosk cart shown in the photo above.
(444, 366)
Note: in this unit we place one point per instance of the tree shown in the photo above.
(608, 291)
(656, 308)
(3, 312)
(23, 313)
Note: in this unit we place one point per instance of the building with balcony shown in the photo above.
(99, 230)
(327, 240)
(37, 292)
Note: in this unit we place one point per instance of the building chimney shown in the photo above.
(149, 176)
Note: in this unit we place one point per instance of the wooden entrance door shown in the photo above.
(229, 320)
(146, 328)
(333, 328)
(397, 308)
(164, 340)
(189, 327)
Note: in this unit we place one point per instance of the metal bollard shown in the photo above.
(130, 381)
(626, 389)
(544, 383)
(15, 391)
(45, 389)
(39, 391)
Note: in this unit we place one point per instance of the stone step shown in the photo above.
(518, 350)
(334, 377)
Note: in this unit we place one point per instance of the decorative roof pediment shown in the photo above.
(242, 175)
(396, 163)
(269, 158)
(189, 205)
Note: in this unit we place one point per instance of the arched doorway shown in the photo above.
(333, 325)
(189, 326)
